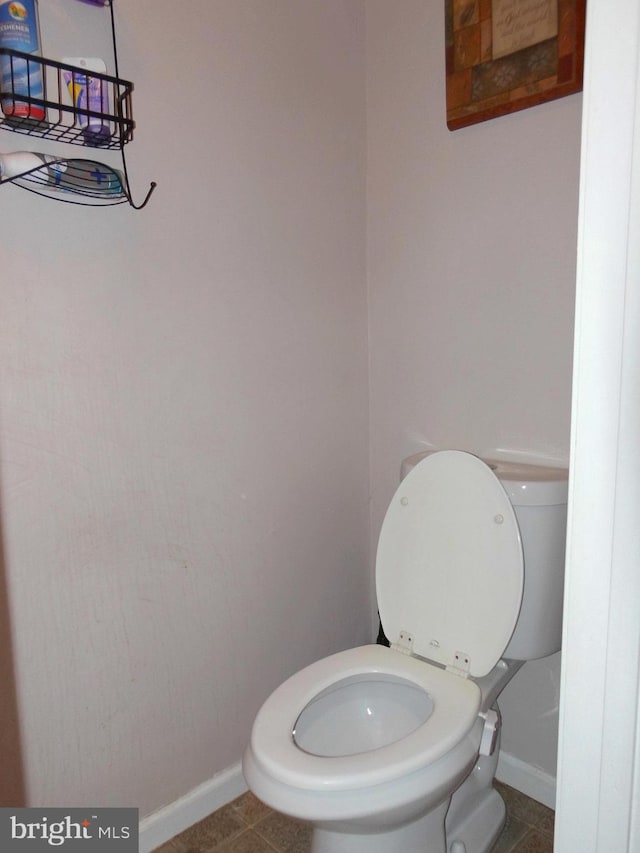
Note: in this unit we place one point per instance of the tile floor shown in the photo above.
(247, 826)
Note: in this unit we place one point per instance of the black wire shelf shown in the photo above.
(75, 181)
(53, 113)
(54, 116)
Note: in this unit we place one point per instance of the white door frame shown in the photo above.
(598, 802)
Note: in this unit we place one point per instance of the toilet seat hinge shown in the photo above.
(460, 665)
(404, 643)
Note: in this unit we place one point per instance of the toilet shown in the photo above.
(395, 749)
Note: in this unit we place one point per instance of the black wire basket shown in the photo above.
(76, 181)
(55, 116)
(53, 113)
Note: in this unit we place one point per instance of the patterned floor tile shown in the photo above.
(246, 842)
(285, 834)
(514, 831)
(250, 809)
(527, 810)
(210, 833)
(169, 847)
(535, 842)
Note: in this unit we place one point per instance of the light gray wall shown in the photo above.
(183, 402)
(471, 271)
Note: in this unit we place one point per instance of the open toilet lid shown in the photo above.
(449, 569)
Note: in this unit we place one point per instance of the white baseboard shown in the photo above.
(194, 806)
(529, 780)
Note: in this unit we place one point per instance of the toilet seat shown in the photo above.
(456, 704)
(450, 567)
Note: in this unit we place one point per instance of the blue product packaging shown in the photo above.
(86, 177)
(19, 30)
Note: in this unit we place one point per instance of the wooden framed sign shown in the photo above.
(506, 55)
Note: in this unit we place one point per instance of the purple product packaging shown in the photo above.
(89, 93)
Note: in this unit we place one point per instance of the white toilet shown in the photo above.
(395, 749)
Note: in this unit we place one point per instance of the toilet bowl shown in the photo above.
(370, 744)
(363, 738)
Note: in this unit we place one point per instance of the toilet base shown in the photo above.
(476, 832)
(480, 828)
(425, 835)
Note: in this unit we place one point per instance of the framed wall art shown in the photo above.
(507, 55)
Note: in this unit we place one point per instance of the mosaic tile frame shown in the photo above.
(481, 86)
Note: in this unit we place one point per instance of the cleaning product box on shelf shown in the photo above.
(19, 30)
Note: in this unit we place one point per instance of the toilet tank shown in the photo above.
(539, 498)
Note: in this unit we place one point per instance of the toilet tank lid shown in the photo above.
(525, 483)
